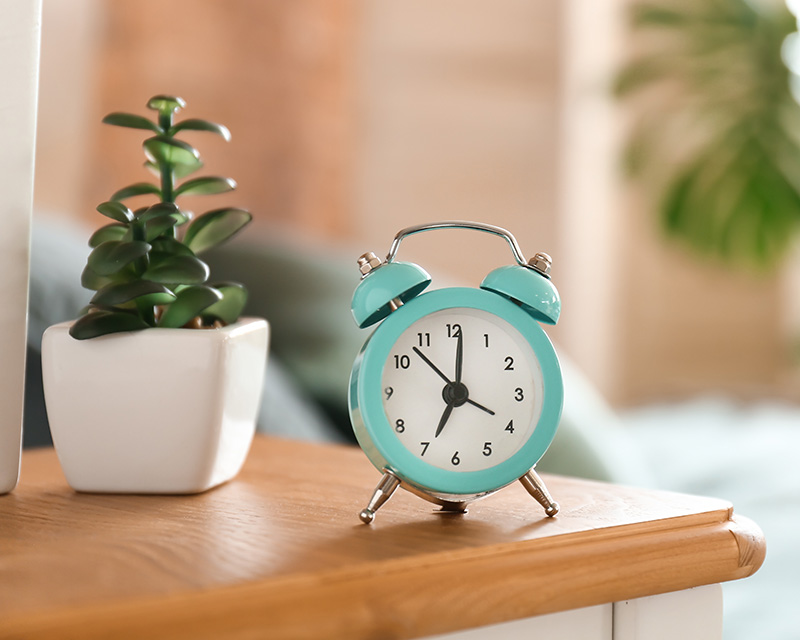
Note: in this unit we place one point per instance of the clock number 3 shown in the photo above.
(519, 396)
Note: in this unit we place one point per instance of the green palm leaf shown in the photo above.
(716, 133)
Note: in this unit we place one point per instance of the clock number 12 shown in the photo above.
(453, 330)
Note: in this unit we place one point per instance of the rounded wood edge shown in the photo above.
(408, 598)
(751, 543)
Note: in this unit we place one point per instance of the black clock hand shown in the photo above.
(459, 356)
(445, 416)
(480, 406)
(431, 365)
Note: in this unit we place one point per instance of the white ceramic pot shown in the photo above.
(154, 411)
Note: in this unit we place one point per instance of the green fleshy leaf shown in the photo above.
(109, 257)
(157, 210)
(113, 231)
(162, 247)
(100, 323)
(188, 304)
(152, 167)
(182, 217)
(116, 294)
(178, 269)
(163, 150)
(166, 104)
(132, 121)
(137, 189)
(116, 211)
(195, 124)
(92, 281)
(234, 298)
(182, 170)
(155, 227)
(209, 185)
(179, 171)
(214, 227)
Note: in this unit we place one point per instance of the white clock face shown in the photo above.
(462, 389)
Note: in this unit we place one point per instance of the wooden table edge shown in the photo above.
(425, 595)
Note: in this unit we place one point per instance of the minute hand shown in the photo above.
(480, 406)
(431, 365)
(459, 356)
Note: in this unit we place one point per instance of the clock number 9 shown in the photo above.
(388, 391)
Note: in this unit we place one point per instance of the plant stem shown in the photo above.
(167, 177)
(167, 184)
(165, 121)
(146, 311)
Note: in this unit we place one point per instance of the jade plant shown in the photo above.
(144, 266)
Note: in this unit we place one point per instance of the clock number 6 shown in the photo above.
(455, 460)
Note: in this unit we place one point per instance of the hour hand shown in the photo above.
(445, 416)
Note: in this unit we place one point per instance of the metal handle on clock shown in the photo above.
(458, 224)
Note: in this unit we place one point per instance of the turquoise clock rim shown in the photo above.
(375, 434)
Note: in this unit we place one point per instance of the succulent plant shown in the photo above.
(143, 266)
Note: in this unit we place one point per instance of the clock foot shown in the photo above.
(533, 484)
(386, 487)
(454, 507)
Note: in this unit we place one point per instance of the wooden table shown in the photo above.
(280, 552)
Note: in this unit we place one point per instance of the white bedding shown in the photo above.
(749, 455)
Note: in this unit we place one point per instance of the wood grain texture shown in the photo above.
(281, 549)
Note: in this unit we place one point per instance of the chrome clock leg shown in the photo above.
(533, 484)
(389, 482)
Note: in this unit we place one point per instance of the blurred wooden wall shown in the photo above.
(278, 74)
(354, 118)
(459, 118)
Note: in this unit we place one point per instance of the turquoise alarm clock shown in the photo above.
(458, 392)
